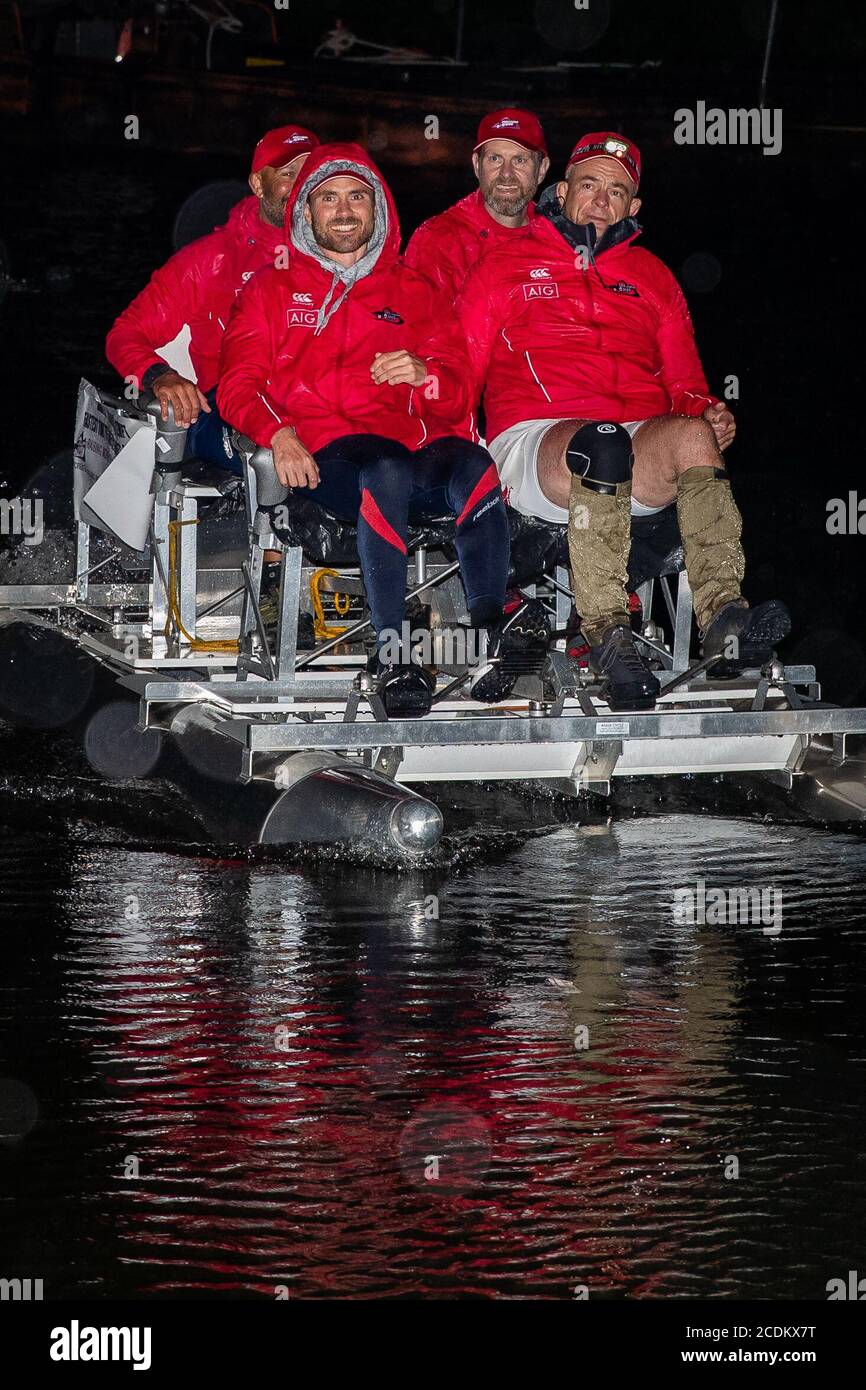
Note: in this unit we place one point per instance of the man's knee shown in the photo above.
(385, 463)
(601, 455)
(692, 440)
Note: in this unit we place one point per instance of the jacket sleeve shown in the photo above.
(445, 398)
(248, 353)
(476, 311)
(681, 370)
(422, 254)
(171, 298)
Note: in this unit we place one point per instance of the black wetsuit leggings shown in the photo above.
(382, 486)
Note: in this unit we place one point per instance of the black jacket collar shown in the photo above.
(549, 208)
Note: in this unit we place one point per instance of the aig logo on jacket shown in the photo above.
(542, 289)
(301, 318)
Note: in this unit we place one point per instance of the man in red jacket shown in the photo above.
(510, 160)
(351, 367)
(598, 408)
(198, 286)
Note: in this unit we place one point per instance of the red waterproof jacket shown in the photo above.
(446, 247)
(557, 334)
(198, 286)
(301, 340)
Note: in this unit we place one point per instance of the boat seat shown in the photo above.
(204, 479)
(326, 539)
(537, 547)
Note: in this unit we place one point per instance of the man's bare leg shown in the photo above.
(676, 459)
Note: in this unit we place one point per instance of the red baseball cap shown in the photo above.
(347, 173)
(282, 145)
(608, 144)
(512, 124)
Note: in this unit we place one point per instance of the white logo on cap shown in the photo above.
(294, 139)
(505, 121)
(616, 147)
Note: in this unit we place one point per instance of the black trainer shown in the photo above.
(627, 681)
(745, 637)
(516, 643)
(406, 688)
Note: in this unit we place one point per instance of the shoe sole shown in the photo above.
(629, 700)
(413, 706)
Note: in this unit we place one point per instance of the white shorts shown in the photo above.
(515, 453)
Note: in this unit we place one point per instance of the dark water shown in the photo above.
(142, 989)
(281, 1054)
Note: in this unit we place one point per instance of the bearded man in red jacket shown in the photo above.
(352, 368)
(598, 409)
(510, 161)
(198, 287)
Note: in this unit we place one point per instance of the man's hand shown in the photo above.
(295, 465)
(723, 423)
(398, 368)
(184, 396)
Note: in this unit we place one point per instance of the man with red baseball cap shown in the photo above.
(510, 160)
(598, 409)
(198, 287)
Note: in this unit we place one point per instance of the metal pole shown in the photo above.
(771, 30)
(458, 47)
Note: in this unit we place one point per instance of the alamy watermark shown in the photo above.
(703, 906)
(22, 516)
(846, 516)
(452, 646)
(741, 126)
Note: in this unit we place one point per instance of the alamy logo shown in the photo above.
(703, 906)
(77, 1343)
(20, 1290)
(741, 126)
(846, 516)
(854, 1289)
(22, 516)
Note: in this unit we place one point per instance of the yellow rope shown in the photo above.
(173, 607)
(342, 603)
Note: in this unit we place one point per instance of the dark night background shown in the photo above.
(766, 246)
(150, 1033)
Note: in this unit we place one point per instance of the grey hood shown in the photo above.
(304, 241)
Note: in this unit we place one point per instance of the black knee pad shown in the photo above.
(601, 455)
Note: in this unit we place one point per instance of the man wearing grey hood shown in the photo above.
(353, 369)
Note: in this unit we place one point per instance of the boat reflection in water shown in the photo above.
(528, 1076)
